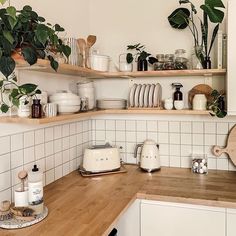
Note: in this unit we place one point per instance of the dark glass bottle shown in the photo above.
(207, 63)
(221, 103)
(142, 64)
(36, 109)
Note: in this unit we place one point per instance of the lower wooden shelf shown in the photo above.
(61, 118)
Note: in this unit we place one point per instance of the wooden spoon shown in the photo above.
(91, 40)
(22, 175)
(82, 47)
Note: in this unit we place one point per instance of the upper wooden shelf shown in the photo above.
(61, 118)
(66, 69)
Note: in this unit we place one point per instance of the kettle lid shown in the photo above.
(150, 142)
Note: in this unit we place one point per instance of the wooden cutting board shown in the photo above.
(230, 149)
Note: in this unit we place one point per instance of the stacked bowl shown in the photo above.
(86, 90)
(67, 102)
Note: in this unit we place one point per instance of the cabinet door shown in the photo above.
(169, 219)
(129, 223)
(231, 222)
(231, 70)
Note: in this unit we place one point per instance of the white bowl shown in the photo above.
(68, 109)
(63, 96)
(68, 102)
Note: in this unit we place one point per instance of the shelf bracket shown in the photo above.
(208, 79)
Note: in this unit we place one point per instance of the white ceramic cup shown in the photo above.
(50, 109)
(21, 198)
(168, 104)
(179, 105)
(200, 102)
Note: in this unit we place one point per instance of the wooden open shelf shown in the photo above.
(61, 118)
(66, 69)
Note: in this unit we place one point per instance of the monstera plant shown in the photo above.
(183, 18)
(25, 34)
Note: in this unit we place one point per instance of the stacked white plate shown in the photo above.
(111, 103)
(86, 90)
(145, 96)
(67, 102)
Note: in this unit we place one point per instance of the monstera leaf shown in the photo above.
(211, 7)
(179, 19)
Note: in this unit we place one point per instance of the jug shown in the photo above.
(149, 158)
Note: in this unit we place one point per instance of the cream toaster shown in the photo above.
(101, 158)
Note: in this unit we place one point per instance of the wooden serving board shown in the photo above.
(230, 149)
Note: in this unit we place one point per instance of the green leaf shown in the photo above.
(14, 93)
(179, 19)
(214, 34)
(58, 28)
(27, 8)
(66, 50)
(210, 7)
(27, 88)
(12, 21)
(42, 33)
(30, 55)
(38, 91)
(4, 108)
(41, 19)
(11, 11)
(16, 102)
(152, 60)
(129, 58)
(7, 65)
(54, 64)
(8, 36)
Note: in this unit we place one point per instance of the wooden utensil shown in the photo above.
(22, 175)
(230, 149)
(91, 40)
(82, 48)
(200, 89)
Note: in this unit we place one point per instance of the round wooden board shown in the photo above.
(200, 89)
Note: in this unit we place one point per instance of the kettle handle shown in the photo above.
(136, 150)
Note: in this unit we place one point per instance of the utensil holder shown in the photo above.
(21, 197)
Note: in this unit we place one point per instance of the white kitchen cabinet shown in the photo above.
(169, 219)
(231, 70)
(129, 223)
(231, 222)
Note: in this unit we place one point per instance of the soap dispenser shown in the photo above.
(178, 96)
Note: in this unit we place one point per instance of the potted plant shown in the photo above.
(25, 34)
(183, 18)
(141, 55)
(217, 104)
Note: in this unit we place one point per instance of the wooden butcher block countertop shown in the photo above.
(91, 206)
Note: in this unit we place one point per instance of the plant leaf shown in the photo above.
(11, 11)
(7, 65)
(4, 108)
(3, 1)
(58, 28)
(66, 50)
(8, 36)
(129, 58)
(30, 55)
(214, 34)
(215, 15)
(42, 33)
(179, 19)
(27, 88)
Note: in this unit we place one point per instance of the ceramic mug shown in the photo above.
(50, 109)
(21, 197)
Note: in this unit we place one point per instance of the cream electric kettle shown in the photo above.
(149, 157)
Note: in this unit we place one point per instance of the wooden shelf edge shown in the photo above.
(66, 69)
(61, 118)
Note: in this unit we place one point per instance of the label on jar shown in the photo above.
(35, 193)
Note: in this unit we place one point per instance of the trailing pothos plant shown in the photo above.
(140, 54)
(214, 105)
(26, 34)
(183, 18)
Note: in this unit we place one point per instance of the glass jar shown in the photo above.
(199, 164)
(124, 66)
(181, 61)
(197, 58)
(169, 62)
(160, 64)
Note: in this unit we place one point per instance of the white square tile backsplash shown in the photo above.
(57, 150)
(178, 140)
